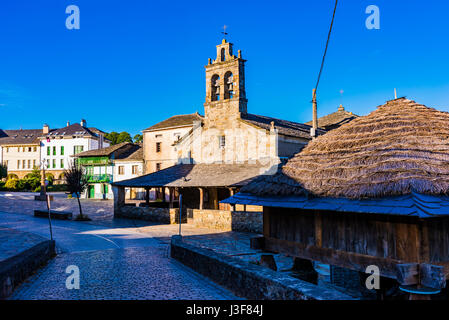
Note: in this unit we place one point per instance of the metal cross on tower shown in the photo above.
(224, 31)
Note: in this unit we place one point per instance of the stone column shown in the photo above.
(119, 199)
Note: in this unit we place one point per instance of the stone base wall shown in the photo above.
(228, 220)
(163, 215)
(16, 269)
(246, 279)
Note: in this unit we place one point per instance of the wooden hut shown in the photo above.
(372, 192)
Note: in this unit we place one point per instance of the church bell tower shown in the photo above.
(225, 86)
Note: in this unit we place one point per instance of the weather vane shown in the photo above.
(224, 31)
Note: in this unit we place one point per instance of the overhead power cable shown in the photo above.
(327, 45)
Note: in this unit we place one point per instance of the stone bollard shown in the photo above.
(267, 260)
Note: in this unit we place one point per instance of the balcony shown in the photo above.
(105, 178)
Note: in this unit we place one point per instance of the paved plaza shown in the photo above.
(117, 258)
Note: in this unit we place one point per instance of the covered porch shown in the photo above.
(202, 187)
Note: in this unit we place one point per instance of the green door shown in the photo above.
(91, 192)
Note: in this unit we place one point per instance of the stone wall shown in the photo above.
(163, 215)
(246, 279)
(228, 220)
(17, 268)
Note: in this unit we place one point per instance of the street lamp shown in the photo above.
(44, 183)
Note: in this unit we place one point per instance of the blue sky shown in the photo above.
(134, 63)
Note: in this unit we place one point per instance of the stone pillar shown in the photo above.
(119, 199)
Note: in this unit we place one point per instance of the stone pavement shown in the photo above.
(23, 202)
(126, 274)
(13, 242)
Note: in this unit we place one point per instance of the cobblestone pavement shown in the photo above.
(23, 202)
(125, 274)
(116, 261)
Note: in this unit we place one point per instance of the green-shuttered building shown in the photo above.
(102, 168)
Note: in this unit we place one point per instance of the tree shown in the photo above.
(117, 138)
(3, 171)
(124, 137)
(138, 138)
(76, 184)
(112, 137)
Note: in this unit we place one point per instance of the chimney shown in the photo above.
(68, 123)
(45, 129)
(341, 108)
(83, 123)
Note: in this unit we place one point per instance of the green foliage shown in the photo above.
(117, 138)
(3, 171)
(54, 188)
(36, 173)
(76, 179)
(12, 184)
(2, 185)
(138, 138)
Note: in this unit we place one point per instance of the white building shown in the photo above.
(58, 146)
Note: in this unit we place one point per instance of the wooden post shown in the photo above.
(170, 191)
(163, 194)
(201, 198)
(147, 196)
(315, 111)
(214, 196)
(318, 229)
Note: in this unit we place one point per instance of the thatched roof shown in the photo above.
(401, 147)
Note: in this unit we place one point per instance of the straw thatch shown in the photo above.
(399, 148)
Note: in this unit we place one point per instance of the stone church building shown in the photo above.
(213, 156)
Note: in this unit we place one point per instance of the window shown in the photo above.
(222, 141)
(121, 170)
(18, 164)
(54, 163)
(23, 164)
(29, 164)
(62, 150)
(134, 169)
(7, 149)
(34, 149)
(158, 166)
(78, 149)
(62, 163)
(158, 146)
(54, 151)
(29, 149)
(34, 164)
(48, 151)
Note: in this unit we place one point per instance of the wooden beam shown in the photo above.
(318, 229)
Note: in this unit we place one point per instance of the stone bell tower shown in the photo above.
(225, 87)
